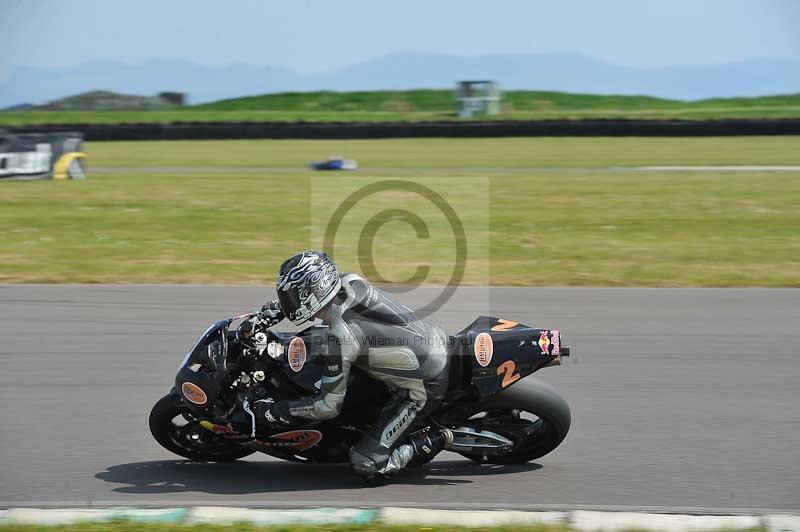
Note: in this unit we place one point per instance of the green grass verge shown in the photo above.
(419, 105)
(244, 527)
(125, 526)
(582, 227)
(454, 155)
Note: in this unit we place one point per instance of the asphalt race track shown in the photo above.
(682, 398)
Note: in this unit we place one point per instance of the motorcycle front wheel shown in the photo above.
(177, 430)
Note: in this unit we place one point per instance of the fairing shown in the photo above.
(516, 351)
(204, 367)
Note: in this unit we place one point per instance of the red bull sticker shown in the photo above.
(193, 393)
(294, 440)
(544, 343)
(223, 430)
(296, 355)
(555, 340)
(484, 347)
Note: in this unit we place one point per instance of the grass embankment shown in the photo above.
(532, 227)
(419, 105)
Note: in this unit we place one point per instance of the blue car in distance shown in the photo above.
(335, 162)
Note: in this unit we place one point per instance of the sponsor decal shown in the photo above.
(503, 325)
(555, 339)
(484, 347)
(296, 354)
(402, 419)
(544, 343)
(294, 440)
(222, 430)
(193, 393)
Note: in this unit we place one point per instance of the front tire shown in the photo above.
(532, 439)
(176, 429)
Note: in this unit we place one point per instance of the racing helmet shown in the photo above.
(307, 282)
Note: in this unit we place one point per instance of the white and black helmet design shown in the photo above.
(306, 283)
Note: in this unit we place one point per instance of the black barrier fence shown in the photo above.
(369, 130)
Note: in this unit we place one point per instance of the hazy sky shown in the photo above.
(311, 35)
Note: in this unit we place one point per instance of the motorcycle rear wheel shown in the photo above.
(175, 428)
(503, 414)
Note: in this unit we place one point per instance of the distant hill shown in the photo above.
(442, 101)
(423, 105)
(106, 101)
(19, 107)
(549, 72)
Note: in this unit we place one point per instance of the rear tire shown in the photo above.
(538, 438)
(190, 440)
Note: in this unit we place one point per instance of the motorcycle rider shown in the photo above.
(374, 333)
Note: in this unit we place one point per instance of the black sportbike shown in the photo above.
(494, 419)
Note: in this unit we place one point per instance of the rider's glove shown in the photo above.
(245, 422)
(271, 412)
(272, 313)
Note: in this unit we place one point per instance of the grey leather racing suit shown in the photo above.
(388, 342)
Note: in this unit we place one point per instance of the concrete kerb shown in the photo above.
(582, 520)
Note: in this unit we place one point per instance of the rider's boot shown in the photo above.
(368, 463)
(428, 444)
